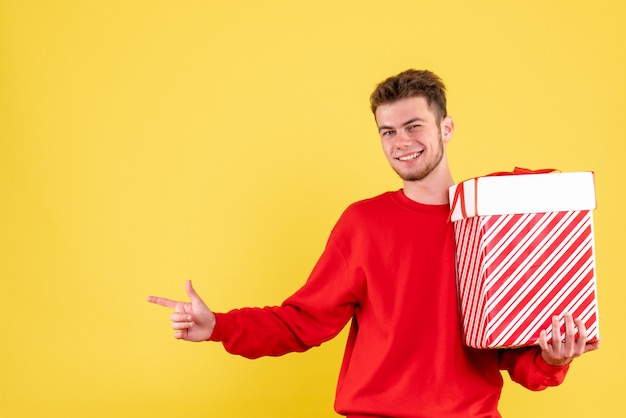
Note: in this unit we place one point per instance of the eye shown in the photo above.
(387, 133)
(413, 127)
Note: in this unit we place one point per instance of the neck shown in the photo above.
(432, 190)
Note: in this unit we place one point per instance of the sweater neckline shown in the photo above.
(400, 198)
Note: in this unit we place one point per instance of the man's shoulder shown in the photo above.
(372, 207)
(372, 203)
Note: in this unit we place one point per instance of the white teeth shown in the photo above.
(410, 157)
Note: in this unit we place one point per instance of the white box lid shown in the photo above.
(522, 193)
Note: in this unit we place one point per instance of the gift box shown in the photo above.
(525, 252)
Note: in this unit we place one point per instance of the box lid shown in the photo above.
(522, 193)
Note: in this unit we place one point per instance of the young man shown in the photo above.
(389, 266)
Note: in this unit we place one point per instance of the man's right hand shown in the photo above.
(193, 320)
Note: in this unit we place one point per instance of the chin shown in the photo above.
(415, 176)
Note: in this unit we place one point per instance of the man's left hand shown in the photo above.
(561, 352)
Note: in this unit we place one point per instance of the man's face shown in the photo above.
(411, 137)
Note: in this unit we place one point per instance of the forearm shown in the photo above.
(274, 331)
(256, 332)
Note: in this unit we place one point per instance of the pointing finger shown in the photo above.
(168, 303)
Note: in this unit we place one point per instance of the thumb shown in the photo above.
(193, 296)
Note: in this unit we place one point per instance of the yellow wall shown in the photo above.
(143, 143)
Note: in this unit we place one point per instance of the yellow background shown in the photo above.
(143, 143)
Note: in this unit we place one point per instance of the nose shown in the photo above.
(403, 140)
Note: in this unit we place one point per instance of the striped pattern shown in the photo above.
(517, 271)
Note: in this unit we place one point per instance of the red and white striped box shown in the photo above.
(525, 252)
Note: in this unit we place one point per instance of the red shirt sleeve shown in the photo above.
(529, 369)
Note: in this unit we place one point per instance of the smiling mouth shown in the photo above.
(410, 157)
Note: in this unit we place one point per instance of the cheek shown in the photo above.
(387, 149)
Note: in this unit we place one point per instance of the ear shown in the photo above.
(447, 129)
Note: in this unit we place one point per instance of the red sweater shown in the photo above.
(389, 266)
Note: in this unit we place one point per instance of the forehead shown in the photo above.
(398, 112)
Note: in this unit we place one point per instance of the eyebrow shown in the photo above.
(416, 119)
